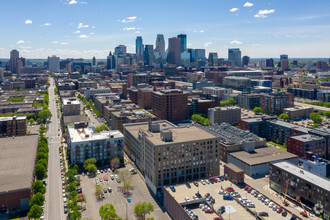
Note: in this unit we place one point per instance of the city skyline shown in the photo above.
(73, 28)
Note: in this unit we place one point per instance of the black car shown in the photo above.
(188, 185)
(263, 214)
(211, 180)
(195, 183)
(65, 210)
(284, 213)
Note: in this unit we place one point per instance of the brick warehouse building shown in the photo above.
(12, 126)
(302, 144)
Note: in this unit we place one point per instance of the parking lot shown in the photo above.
(138, 193)
(233, 209)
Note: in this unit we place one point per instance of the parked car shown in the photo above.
(129, 199)
(208, 211)
(284, 213)
(279, 210)
(102, 195)
(228, 197)
(188, 185)
(263, 214)
(246, 188)
(187, 199)
(195, 183)
(203, 182)
(172, 188)
(109, 190)
(270, 205)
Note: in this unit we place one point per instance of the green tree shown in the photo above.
(326, 114)
(44, 115)
(42, 155)
(31, 120)
(71, 187)
(35, 212)
(284, 117)
(228, 102)
(125, 177)
(40, 172)
(89, 161)
(80, 198)
(76, 215)
(115, 163)
(315, 117)
(108, 212)
(37, 199)
(257, 110)
(38, 186)
(91, 168)
(100, 128)
(98, 191)
(206, 122)
(142, 209)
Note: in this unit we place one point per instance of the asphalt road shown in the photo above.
(54, 202)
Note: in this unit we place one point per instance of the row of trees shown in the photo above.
(102, 127)
(320, 103)
(89, 104)
(228, 102)
(315, 116)
(108, 211)
(200, 119)
(38, 199)
(75, 200)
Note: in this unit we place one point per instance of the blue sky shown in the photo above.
(87, 28)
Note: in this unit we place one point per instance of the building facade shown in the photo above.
(71, 106)
(230, 115)
(12, 126)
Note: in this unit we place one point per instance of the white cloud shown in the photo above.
(83, 36)
(233, 9)
(235, 42)
(91, 33)
(129, 19)
(72, 2)
(137, 32)
(93, 26)
(47, 24)
(77, 32)
(20, 42)
(81, 25)
(131, 28)
(28, 22)
(25, 47)
(64, 43)
(55, 42)
(207, 44)
(248, 4)
(255, 45)
(264, 13)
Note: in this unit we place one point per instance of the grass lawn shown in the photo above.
(278, 145)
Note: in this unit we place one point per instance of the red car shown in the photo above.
(246, 188)
(105, 178)
(63, 186)
(208, 211)
(230, 190)
(215, 180)
(124, 191)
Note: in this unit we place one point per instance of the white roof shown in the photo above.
(87, 134)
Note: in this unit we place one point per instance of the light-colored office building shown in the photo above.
(230, 115)
(298, 112)
(53, 64)
(167, 154)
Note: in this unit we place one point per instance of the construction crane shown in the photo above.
(286, 190)
(304, 213)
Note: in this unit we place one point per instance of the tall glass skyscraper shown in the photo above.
(183, 38)
(234, 55)
(160, 43)
(148, 54)
(139, 47)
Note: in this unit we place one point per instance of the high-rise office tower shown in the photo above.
(2, 74)
(213, 59)
(94, 61)
(199, 54)
(174, 51)
(53, 64)
(160, 43)
(183, 38)
(270, 62)
(148, 54)
(185, 59)
(192, 54)
(246, 60)
(234, 55)
(120, 50)
(285, 59)
(139, 47)
(284, 56)
(111, 61)
(14, 56)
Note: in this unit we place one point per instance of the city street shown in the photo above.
(54, 202)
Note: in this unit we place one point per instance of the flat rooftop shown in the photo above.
(71, 101)
(304, 174)
(296, 108)
(262, 155)
(180, 134)
(289, 125)
(307, 138)
(11, 118)
(87, 134)
(17, 160)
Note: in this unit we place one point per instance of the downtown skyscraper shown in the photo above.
(139, 47)
(183, 39)
(160, 43)
(148, 54)
(174, 51)
(234, 55)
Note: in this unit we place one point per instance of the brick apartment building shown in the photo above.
(71, 106)
(145, 98)
(12, 126)
(170, 104)
(301, 144)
